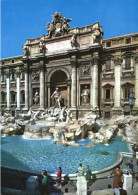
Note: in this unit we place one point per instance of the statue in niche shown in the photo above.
(35, 76)
(57, 98)
(73, 40)
(85, 95)
(85, 71)
(36, 97)
(41, 46)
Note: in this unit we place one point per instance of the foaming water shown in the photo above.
(37, 155)
(35, 139)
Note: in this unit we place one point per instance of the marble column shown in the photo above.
(42, 86)
(18, 90)
(136, 82)
(49, 94)
(132, 63)
(8, 90)
(74, 85)
(91, 87)
(117, 89)
(26, 89)
(95, 61)
(68, 95)
(78, 94)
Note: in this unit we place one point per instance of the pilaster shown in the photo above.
(68, 94)
(136, 82)
(18, 89)
(117, 90)
(42, 85)
(74, 84)
(94, 75)
(26, 87)
(8, 89)
(49, 94)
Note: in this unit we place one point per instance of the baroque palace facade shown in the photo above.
(91, 73)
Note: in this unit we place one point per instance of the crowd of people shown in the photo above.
(117, 180)
(80, 172)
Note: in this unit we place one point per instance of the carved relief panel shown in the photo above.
(85, 71)
(35, 75)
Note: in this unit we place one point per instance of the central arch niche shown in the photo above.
(59, 80)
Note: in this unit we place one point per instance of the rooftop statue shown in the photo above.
(59, 25)
(25, 50)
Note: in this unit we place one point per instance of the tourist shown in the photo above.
(118, 176)
(130, 166)
(66, 190)
(121, 190)
(135, 187)
(45, 187)
(136, 151)
(88, 173)
(80, 171)
(133, 150)
(58, 181)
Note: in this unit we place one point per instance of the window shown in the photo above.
(13, 113)
(107, 93)
(2, 77)
(3, 62)
(127, 88)
(23, 97)
(127, 63)
(107, 114)
(108, 44)
(128, 40)
(13, 96)
(127, 92)
(22, 75)
(13, 75)
(12, 61)
(3, 97)
(108, 65)
(126, 113)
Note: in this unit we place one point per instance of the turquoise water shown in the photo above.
(37, 155)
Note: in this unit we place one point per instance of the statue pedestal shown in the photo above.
(127, 183)
(81, 185)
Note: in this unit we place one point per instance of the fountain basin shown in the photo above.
(37, 155)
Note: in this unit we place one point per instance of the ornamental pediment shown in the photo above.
(108, 86)
(127, 85)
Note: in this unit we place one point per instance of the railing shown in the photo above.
(124, 101)
(13, 103)
(127, 70)
(108, 72)
(107, 102)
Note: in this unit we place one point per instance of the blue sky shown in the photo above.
(26, 19)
